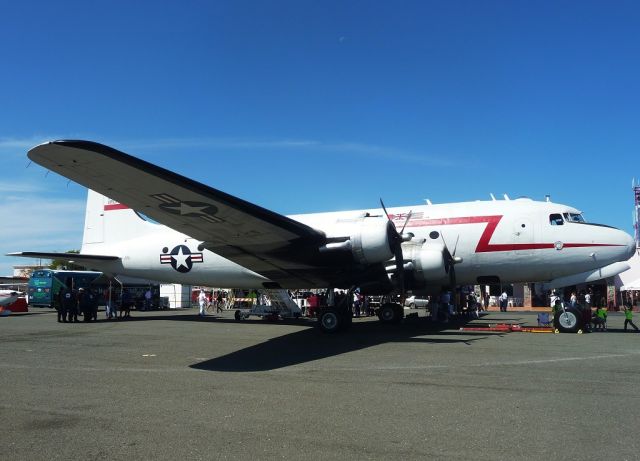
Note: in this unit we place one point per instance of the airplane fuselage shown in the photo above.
(508, 240)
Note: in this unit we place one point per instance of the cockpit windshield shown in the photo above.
(574, 217)
(557, 219)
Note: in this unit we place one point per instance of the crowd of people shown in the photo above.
(214, 300)
(83, 302)
(71, 303)
(583, 303)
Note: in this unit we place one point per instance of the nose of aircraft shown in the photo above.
(630, 246)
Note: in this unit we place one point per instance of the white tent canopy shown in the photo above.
(635, 285)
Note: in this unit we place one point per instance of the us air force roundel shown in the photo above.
(180, 258)
(187, 208)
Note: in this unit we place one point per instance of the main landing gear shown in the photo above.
(391, 313)
(336, 318)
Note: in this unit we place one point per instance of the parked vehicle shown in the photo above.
(414, 302)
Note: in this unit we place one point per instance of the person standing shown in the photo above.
(445, 300)
(219, 302)
(61, 305)
(83, 304)
(69, 301)
(628, 317)
(92, 300)
(356, 304)
(503, 299)
(147, 300)
(600, 320)
(202, 301)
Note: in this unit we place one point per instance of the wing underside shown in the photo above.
(279, 248)
(65, 256)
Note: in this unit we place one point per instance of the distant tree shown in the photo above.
(66, 264)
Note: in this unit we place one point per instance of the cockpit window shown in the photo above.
(556, 220)
(574, 217)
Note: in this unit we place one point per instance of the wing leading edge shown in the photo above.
(282, 249)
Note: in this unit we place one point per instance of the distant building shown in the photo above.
(25, 270)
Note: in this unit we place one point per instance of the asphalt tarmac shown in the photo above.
(168, 385)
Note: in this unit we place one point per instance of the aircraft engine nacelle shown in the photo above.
(368, 238)
(427, 262)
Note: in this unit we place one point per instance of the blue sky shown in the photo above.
(303, 106)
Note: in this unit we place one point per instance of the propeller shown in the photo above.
(450, 260)
(395, 239)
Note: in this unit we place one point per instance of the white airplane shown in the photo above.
(8, 297)
(203, 236)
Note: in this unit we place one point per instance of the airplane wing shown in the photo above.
(64, 256)
(266, 242)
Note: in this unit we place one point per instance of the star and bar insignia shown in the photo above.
(188, 208)
(181, 258)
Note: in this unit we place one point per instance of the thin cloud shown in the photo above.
(21, 144)
(286, 146)
(281, 146)
(37, 222)
(18, 187)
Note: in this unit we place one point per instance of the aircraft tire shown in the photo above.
(390, 313)
(330, 320)
(569, 321)
(238, 315)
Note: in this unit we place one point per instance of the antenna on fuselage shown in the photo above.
(492, 197)
(428, 201)
(506, 197)
(547, 198)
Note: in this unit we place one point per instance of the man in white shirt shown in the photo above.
(202, 301)
(503, 301)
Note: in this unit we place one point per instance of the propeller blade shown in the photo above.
(396, 242)
(450, 260)
(385, 209)
(455, 247)
(405, 222)
(452, 277)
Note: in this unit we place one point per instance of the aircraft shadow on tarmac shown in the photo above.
(311, 344)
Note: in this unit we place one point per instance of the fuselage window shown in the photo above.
(573, 217)
(556, 220)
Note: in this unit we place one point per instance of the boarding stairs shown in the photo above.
(278, 305)
(282, 303)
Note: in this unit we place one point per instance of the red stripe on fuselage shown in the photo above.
(115, 206)
(484, 245)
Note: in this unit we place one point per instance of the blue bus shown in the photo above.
(45, 284)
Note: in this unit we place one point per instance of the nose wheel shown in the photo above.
(568, 320)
